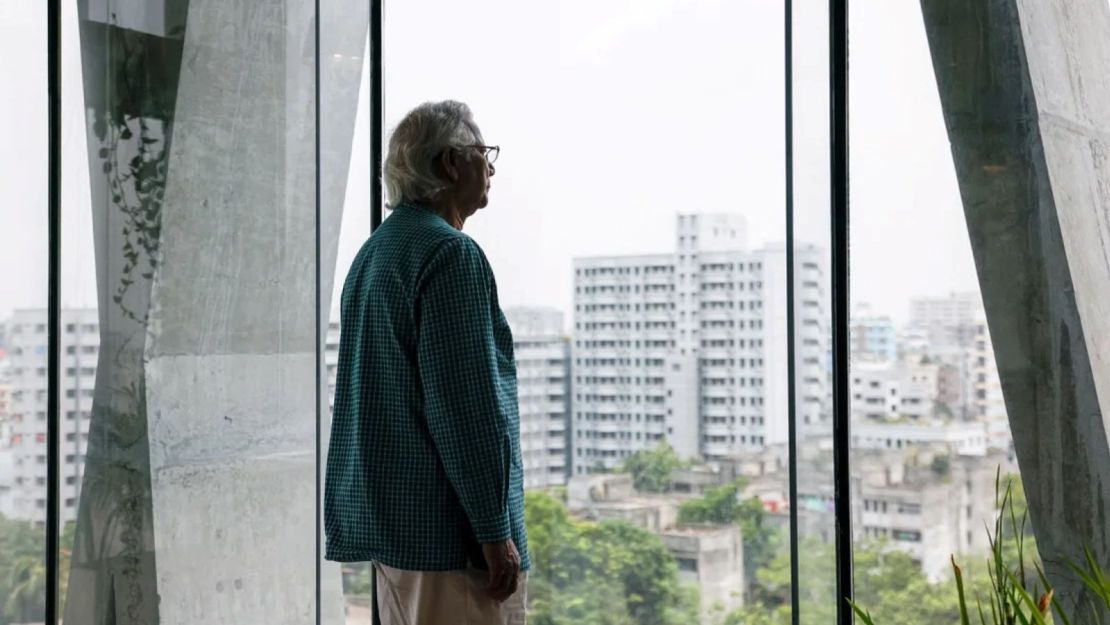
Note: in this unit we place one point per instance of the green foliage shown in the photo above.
(608, 573)
(721, 506)
(941, 465)
(651, 469)
(756, 614)
(23, 570)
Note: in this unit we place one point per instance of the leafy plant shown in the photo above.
(651, 469)
(1012, 597)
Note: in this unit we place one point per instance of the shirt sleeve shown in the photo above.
(457, 360)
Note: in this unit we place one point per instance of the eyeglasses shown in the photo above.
(491, 152)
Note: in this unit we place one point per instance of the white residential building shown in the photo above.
(886, 390)
(953, 330)
(965, 438)
(542, 351)
(931, 507)
(690, 347)
(26, 441)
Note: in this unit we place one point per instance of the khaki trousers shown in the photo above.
(444, 598)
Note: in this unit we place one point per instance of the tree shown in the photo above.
(23, 570)
(651, 469)
(26, 589)
(608, 573)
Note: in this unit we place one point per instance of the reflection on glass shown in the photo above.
(345, 174)
(635, 227)
(189, 337)
(23, 293)
(813, 306)
(950, 297)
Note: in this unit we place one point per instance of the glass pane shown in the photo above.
(345, 176)
(23, 293)
(972, 173)
(635, 228)
(189, 288)
(813, 308)
(929, 426)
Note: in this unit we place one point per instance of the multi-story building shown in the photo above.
(953, 331)
(946, 321)
(331, 356)
(984, 388)
(7, 460)
(930, 510)
(922, 499)
(967, 438)
(26, 444)
(542, 351)
(875, 391)
(872, 336)
(887, 390)
(690, 347)
(708, 556)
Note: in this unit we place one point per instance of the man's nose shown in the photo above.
(492, 169)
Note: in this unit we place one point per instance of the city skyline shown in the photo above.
(905, 205)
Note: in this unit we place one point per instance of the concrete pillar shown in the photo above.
(1025, 89)
(199, 498)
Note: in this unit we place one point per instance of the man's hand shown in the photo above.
(503, 561)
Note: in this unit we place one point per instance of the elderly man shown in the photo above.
(424, 475)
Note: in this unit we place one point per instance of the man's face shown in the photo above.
(474, 177)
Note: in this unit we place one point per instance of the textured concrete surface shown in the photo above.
(1025, 88)
(199, 503)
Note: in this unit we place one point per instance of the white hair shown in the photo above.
(424, 133)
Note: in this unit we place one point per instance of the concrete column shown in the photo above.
(199, 498)
(1025, 89)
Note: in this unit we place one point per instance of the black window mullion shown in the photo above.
(321, 330)
(54, 313)
(791, 359)
(377, 103)
(838, 161)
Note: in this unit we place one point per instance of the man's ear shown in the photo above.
(447, 164)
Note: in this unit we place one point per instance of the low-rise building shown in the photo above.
(712, 557)
(924, 499)
(966, 438)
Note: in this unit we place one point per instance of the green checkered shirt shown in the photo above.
(424, 461)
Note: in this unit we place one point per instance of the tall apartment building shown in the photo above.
(984, 388)
(26, 442)
(690, 347)
(542, 351)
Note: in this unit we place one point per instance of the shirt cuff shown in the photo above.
(493, 529)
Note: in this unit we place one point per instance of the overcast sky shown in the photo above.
(613, 116)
